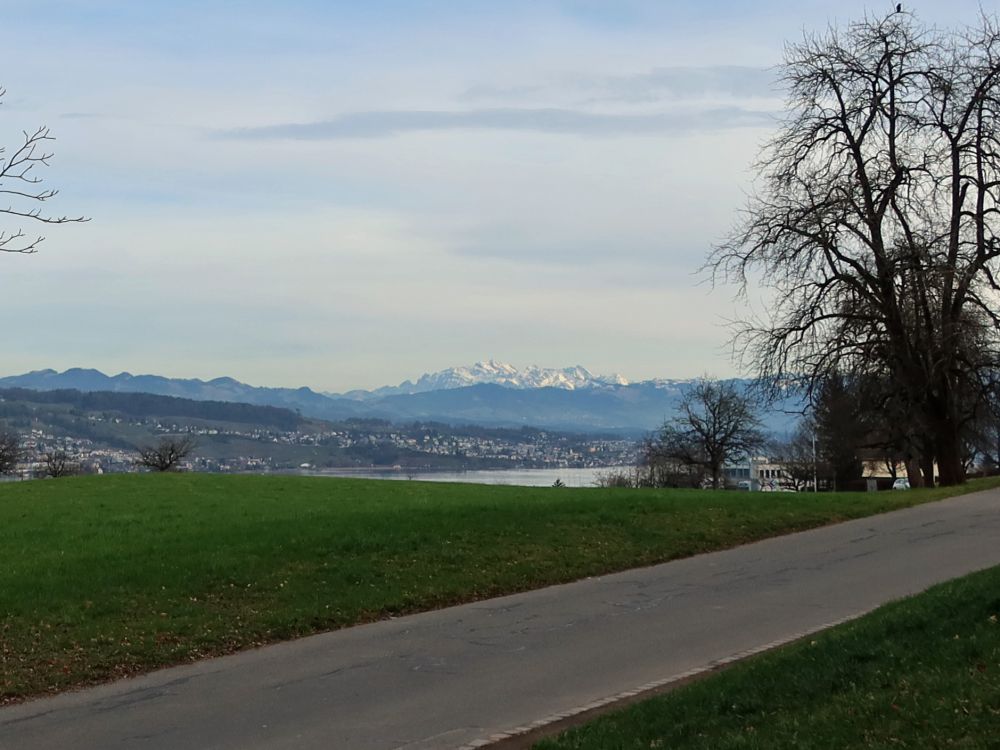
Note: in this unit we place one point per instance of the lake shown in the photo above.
(521, 477)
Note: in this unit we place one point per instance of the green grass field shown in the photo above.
(106, 576)
(920, 673)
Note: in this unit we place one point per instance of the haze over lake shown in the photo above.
(520, 477)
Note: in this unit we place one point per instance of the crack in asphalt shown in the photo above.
(143, 695)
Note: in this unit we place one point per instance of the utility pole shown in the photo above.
(815, 471)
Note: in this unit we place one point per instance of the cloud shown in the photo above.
(670, 83)
(382, 124)
(561, 250)
(487, 91)
(729, 81)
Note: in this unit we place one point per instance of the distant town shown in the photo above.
(108, 441)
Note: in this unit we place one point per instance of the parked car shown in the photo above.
(902, 483)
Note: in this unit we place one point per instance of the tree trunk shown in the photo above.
(947, 439)
(890, 465)
(951, 468)
(927, 469)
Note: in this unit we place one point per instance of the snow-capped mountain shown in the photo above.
(487, 393)
(498, 373)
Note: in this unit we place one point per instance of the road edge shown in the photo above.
(525, 736)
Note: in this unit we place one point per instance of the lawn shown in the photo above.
(101, 577)
(920, 673)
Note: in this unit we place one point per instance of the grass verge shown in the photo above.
(101, 577)
(920, 673)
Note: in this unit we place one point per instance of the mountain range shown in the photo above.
(488, 393)
(496, 373)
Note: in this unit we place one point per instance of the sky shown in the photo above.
(346, 195)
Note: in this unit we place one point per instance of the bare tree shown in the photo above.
(167, 454)
(660, 466)
(876, 220)
(22, 192)
(10, 452)
(58, 464)
(623, 477)
(715, 424)
(797, 455)
(983, 439)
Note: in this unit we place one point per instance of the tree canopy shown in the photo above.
(167, 454)
(715, 425)
(874, 224)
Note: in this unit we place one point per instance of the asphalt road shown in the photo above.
(458, 676)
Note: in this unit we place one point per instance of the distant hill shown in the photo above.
(150, 405)
(304, 400)
(621, 408)
(82, 422)
(102, 430)
(573, 400)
